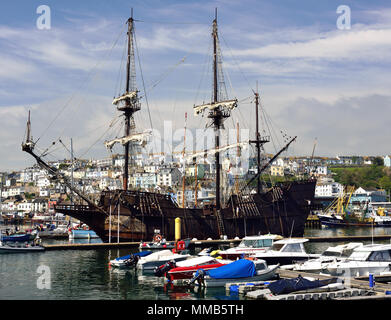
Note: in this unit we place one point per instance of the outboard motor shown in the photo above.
(160, 271)
(132, 261)
(199, 277)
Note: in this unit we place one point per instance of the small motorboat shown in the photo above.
(331, 254)
(239, 271)
(129, 260)
(18, 247)
(286, 251)
(250, 245)
(186, 268)
(159, 258)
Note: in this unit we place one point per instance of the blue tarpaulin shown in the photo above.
(140, 254)
(241, 268)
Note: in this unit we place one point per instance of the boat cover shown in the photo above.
(241, 268)
(140, 254)
(285, 286)
(16, 237)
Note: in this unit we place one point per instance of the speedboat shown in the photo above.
(128, 260)
(239, 271)
(158, 258)
(364, 260)
(336, 253)
(249, 246)
(185, 269)
(286, 251)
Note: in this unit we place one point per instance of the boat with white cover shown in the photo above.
(158, 258)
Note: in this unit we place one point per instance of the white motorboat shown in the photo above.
(286, 251)
(367, 259)
(331, 254)
(249, 246)
(158, 258)
(239, 271)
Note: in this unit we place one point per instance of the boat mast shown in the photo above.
(217, 114)
(131, 101)
(259, 141)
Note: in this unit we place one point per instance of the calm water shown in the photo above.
(85, 274)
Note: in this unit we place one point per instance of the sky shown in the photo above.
(316, 80)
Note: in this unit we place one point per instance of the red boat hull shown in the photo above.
(187, 272)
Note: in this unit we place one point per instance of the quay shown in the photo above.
(204, 243)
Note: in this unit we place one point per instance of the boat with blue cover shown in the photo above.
(17, 238)
(242, 270)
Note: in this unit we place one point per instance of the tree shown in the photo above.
(378, 161)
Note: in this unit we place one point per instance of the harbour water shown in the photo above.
(85, 274)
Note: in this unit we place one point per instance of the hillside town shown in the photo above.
(29, 192)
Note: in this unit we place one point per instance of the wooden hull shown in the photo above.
(282, 210)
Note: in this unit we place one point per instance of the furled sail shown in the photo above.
(229, 104)
(190, 156)
(141, 138)
(129, 95)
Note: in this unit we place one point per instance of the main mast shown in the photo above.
(217, 115)
(219, 109)
(130, 98)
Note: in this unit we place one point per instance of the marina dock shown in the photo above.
(204, 243)
(350, 289)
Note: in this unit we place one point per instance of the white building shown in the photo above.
(328, 189)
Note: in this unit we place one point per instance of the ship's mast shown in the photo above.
(219, 109)
(217, 115)
(131, 100)
(259, 141)
(258, 138)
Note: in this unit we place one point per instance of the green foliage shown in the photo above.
(375, 176)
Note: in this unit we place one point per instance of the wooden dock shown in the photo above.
(204, 243)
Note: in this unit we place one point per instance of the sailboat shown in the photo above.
(133, 215)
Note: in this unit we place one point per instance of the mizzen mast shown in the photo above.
(128, 103)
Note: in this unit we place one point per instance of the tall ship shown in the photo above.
(132, 215)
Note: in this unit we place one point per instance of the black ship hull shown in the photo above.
(135, 215)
